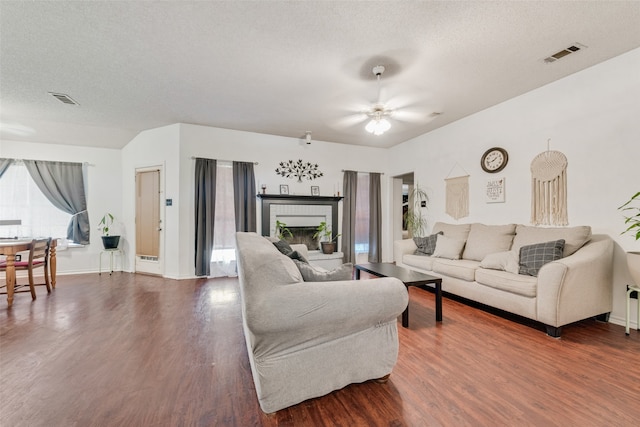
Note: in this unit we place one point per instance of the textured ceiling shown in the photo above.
(284, 67)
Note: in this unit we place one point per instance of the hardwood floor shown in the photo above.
(135, 350)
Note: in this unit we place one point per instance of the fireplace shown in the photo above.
(301, 214)
(303, 235)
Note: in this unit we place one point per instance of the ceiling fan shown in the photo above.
(380, 113)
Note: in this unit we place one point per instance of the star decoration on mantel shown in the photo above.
(298, 169)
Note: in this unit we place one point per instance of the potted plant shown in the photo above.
(415, 222)
(105, 225)
(631, 212)
(328, 245)
(282, 231)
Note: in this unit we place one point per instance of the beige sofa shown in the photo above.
(306, 339)
(574, 287)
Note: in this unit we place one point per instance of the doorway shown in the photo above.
(402, 186)
(149, 221)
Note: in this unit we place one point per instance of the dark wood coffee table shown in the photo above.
(409, 278)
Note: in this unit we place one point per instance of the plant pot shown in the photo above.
(110, 242)
(633, 262)
(328, 247)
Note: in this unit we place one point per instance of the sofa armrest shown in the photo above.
(294, 317)
(401, 248)
(578, 286)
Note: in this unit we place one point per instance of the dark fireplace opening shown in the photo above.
(303, 235)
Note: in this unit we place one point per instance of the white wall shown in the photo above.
(155, 147)
(593, 117)
(103, 182)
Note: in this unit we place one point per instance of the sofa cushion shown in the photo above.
(426, 245)
(461, 269)
(456, 231)
(505, 261)
(487, 239)
(418, 261)
(515, 283)
(533, 257)
(313, 274)
(286, 249)
(447, 247)
(574, 237)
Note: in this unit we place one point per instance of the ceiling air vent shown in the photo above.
(66, 99)
(564, 52)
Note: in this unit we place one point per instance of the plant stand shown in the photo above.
(630, 290)
(111, 252)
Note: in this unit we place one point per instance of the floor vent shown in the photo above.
(564, 52)
(148, 258)
(66, 99)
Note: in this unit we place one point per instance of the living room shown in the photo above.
(595, 188)
(590, 116)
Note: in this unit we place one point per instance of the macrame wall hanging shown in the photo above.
(549, 188)
(457, 195)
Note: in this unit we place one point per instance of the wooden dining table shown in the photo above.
(10, 248)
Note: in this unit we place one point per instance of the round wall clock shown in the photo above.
(494, 159)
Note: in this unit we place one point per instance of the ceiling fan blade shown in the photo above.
(413, 116)
(349, 121)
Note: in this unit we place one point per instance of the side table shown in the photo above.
(111, 253)
(630, 289)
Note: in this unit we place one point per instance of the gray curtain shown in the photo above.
(375, 218)
(4, 165)
(63, 185)
(350, 187)
(205, 208)
(244, 196)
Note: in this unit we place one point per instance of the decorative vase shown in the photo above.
(633, 262)
(110, 242)
(328, 247)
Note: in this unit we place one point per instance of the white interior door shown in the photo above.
(149, 221)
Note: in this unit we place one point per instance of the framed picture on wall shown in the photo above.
(315, 190)
(495, 190)
(284, 189)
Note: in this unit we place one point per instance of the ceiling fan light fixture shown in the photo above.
(378, 126)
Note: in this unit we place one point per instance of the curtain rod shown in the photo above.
(220, 160)
(345, 170)
(21, 161)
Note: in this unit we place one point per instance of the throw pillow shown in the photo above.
(505, 261)
(312, 274)
(533, 257)
(574, 237)
(426, 245)
(284, 247)
(456, 231)
(447, 247)
(488, 239)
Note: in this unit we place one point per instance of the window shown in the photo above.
(223, 256)
(362, 218)
(20, 198)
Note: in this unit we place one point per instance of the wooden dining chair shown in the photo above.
(38, 257)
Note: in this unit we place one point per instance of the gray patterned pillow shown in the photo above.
(426, 245)
(284, 247)
(533, 257)
(311, 274)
